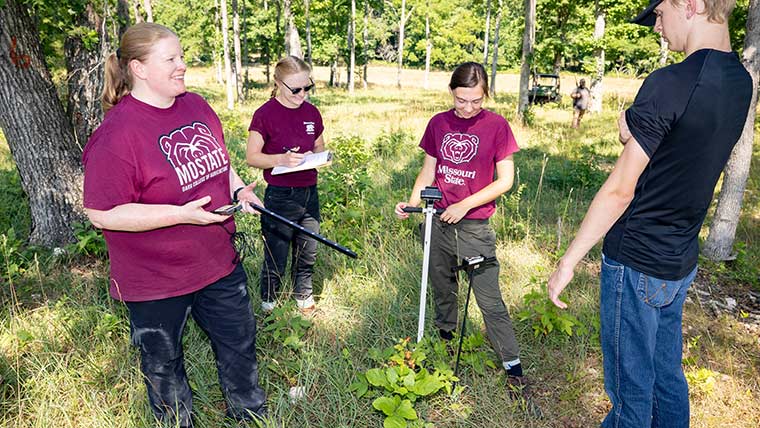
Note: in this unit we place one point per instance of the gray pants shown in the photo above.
(450, 243)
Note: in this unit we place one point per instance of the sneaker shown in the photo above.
(267, 307)
(446, 335)
(306, 306)
(519, 390)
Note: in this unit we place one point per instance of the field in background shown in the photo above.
(66, 361)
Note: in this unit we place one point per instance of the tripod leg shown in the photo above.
(425, 269)
(464, 322)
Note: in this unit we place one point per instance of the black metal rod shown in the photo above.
(419, 210)
(464, 321)
(298, 227)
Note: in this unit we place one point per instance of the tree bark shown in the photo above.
(292, 39)
(597, 83)
(148, 10)
(246, 60)
(307, 6)
(401, 25)
(122, 11)
(495, 62)
(229, 76)
(428, 45)
(720, 240)
(352, 48)
(365, 42)
(39, 134)
(236, 45)
(217, 30)
(487, 33)
(136, 11)
(529, 39)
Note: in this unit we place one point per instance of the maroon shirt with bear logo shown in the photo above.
(148, 155)
(467, 151)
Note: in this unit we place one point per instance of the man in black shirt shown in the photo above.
(581, 97)
(678, 135)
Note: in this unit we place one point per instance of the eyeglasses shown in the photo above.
(296, 91)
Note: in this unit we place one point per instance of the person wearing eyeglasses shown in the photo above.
(282, 131)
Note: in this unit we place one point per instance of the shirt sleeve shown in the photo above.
(654, 111)
(110, 178)
(258, 123)
(506, 144)
(428, 140)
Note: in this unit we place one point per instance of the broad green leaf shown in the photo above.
(409, 380)
(394, 422)
(392, 375)
(387, 404)
(406, 410)
(377, 377)
(427, 385)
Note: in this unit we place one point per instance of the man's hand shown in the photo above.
(454, 213)
(557, 282)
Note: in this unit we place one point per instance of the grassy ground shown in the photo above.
(65, 358)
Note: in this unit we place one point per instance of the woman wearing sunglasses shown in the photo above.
(282, 131)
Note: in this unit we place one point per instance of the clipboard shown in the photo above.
(310, 161)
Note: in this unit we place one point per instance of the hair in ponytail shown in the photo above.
(288, 66)
(135, 44)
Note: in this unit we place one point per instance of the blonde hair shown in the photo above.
(289, 66)
(135, 44)
(717, 11)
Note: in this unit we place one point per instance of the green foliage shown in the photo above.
(15, 261)
(402, 380)
(546, 318)
(286, 326)
(702, 381)
(388, 144)
(474, 353)
(90, 241)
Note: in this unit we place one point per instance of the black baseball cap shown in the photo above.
(647, 16)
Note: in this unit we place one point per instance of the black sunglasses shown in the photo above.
(296, 91)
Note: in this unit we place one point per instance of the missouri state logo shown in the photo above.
(194, 153)
(459, 148)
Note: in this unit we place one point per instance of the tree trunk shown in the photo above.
(428, 45)
(664, 52)
(352, 48)
(529, 39)
(495, 62)
(236, 45)
(365, 42)
(39, 134)
(720, 241)
(401, 24)
(306, 6)
(84, 68)
(246, 60)
(229, 76)
(334, 72)
(122, 11)
(136, 11)
(597, 84)
(217, 31)
(148, 10)
(487, 33)
(292, 40)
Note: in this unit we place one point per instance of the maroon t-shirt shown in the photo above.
(467, 151)
(286, 128)
(147, 155)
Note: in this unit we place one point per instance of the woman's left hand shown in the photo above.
(247, 195)
(454, 213)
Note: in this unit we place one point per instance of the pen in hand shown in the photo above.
(291, 157)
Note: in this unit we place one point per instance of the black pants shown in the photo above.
(300, 205)
(223, 311)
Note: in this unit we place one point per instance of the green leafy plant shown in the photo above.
(90, 241)
(702, 380)
(401, 381)
(287, 326)
(546, 318)
(14, 260)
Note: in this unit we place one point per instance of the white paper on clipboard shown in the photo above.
(310, 161)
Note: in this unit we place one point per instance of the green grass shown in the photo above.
(65, 357)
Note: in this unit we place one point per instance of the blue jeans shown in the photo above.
(300, 205)
(641, 343)
(223, 311)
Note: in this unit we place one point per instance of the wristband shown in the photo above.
(235, 194)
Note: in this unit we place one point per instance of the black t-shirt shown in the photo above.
(687, 117)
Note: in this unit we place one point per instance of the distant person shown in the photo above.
(282, 131)
(678, 135)
(153, 171)
(464, 147)
(581, 97)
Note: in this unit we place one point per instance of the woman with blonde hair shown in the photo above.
(155, 171)
(282, 131)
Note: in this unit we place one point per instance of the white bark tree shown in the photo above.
(365, 42)
(495, 62)
(529, 40)
(292, 39)
(229, 76)
(597, 83)
(403, 17)
(428, 45)
(148, 10)
(486, 33)
(720, 241)
(352, 49)
(236, 45)
(306, 7)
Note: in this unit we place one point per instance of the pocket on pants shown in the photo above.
(657, 292)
